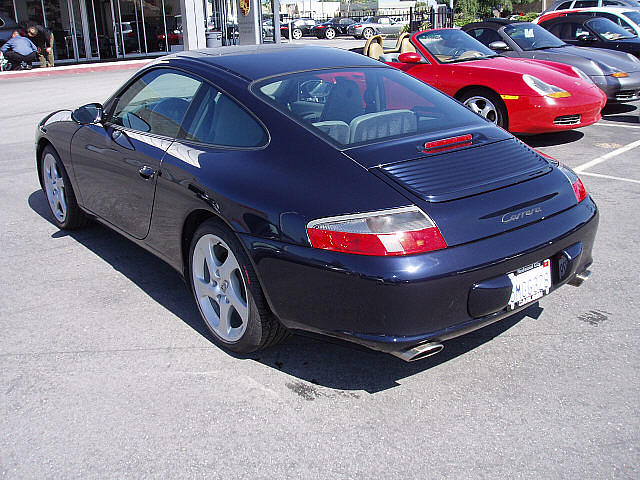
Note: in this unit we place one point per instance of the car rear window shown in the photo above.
(358, 106)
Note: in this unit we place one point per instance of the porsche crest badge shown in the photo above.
(245, 7)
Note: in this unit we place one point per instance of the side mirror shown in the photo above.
(499, 45)
(409, 57)
(88, 114)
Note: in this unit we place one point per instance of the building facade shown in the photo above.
(96, 30)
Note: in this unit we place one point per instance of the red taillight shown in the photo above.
(357, 26)
(578, 187)
(320, 26)
(579, 190)
(401, 231)
(447, 144)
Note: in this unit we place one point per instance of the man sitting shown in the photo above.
(19, 49)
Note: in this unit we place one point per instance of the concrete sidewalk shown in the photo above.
(74, 69)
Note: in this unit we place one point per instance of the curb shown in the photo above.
(74, 69)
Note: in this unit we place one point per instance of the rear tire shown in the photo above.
(367, 33)
(228, 293)
(296, 34)
(59, 192)
(329, 34)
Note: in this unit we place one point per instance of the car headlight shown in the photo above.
(581, 74)
(543, 88)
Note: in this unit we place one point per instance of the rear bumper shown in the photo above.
(394, 303)
(536, 114)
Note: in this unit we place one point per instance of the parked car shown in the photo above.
(299, 27)
(371, 26)
(568, 4)
(332, 28)
(523, 96)
(616, 73)
(626, 18)
(7, 26)
(409, 220)
(588, 31)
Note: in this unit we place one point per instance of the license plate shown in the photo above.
(529, 283)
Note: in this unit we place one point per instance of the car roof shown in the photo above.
(257, 61)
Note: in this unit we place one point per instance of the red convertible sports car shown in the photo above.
(520, 95)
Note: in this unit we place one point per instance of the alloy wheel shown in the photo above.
(483, 107)
(54, 187)
(219, 288)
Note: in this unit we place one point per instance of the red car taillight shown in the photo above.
(578, 187)
(399, 231)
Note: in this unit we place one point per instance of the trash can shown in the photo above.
(214, 39)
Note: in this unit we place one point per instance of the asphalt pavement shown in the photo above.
(107, 372)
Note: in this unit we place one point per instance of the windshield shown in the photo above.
(530, 36)
(633, 15)
(451, 45)
(354, 106)
(607, 29)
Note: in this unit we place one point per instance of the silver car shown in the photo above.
(370, 26)
(616, 73)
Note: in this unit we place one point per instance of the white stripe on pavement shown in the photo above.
(607, 156)
(610, 177)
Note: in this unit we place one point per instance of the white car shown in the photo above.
(628, 18)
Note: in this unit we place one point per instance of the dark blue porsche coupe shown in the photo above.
(315, 189)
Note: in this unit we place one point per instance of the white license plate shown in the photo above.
(529, 283)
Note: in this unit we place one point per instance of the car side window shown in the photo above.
(485, 35)
(586, 3)
(216, 119)
(385, 21)
(156, 102)
(612, 3)
(564, 6)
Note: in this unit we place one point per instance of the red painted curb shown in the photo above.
(94, 67)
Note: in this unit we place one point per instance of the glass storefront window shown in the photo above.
(267, 22)
(222, 16)
(59, 21)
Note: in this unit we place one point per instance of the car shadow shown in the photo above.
(621, 112)
(551, 139)
(322, 361)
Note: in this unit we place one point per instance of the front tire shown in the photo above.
(59, 192)
(486, 104)
(228, 293)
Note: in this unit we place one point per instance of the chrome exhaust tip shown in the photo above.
(419, 351)
(580, 278)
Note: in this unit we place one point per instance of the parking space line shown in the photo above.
(610, 177)
(617, 125)
(607, 156)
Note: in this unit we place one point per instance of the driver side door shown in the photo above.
(116, 162)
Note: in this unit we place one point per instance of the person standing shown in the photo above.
(19, 49)
(43, 40)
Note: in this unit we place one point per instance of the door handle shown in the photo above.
(146, 172)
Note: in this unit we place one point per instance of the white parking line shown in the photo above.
(617, 125)
(610, 177)
(607, 156)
